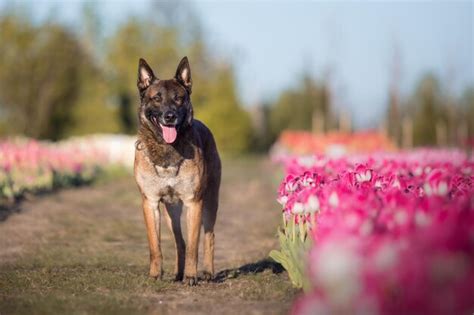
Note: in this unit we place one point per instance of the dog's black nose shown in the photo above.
(169, 117)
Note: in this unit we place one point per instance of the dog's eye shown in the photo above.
(177, 98)
(157, 97)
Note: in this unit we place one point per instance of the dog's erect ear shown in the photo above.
(183, 74)
(145, 75)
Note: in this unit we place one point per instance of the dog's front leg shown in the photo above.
(172, 215)
(193, 223)
(152, 222)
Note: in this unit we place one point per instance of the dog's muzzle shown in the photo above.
(170, 118)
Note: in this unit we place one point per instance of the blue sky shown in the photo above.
(351, 43)
(272, 43)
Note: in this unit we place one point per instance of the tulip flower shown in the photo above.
(392, 233)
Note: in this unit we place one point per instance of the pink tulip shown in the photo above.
(394, 232)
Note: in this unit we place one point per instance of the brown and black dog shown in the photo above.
(177, 166)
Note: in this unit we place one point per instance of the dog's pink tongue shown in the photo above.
(169, 133)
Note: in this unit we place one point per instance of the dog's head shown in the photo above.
(165, 105)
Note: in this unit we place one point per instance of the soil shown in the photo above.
(84, 250)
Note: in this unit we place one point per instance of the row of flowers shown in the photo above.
(388, 233)
(333, 143)
(30, 166)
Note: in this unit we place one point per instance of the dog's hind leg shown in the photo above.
(152, 222)
(173, 219)
(211, 202)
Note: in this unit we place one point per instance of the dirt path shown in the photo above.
(84, 251)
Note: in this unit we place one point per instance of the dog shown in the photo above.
(177, 167)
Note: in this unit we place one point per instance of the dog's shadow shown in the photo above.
(251, 268)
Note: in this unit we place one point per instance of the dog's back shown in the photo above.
(211, 156)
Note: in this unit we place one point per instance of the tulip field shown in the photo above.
(362, 229)
(332, 143)
(30, 166)
(379, 233)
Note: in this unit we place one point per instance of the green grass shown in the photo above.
(44, 287)
(104, 288)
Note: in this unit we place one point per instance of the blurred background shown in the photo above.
(272, 79)
(400, 72)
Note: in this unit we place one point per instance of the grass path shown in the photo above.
(84, 251)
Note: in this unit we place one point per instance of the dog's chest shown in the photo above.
(169, 184)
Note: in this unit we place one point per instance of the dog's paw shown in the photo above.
(156, 276)
(156, 272)
(178, 277)
(191, 281)
(207, 276)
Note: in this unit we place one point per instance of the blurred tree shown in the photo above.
(91, 32)
(81, 83)
(93, 112)
(133, 40)
(39, 77)
(393, 117)
(467, 109)
(428, 111)
(297, 109)
(261, 140)
(223, 114)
